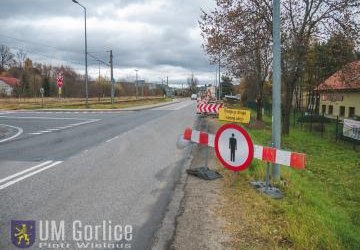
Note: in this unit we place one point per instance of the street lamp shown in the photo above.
(136, 83)
(86, 70)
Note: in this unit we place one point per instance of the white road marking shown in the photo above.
(64, 127)
(12, 182)
(20, 131)
(112, 139)
(176, 106)
(24, 171)
(40, 117)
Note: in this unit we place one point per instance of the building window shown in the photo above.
(351, 111)
(323, 109)
(330, 109)
(342, 111)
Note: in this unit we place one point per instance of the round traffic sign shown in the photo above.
(233, 147)
(60, 80)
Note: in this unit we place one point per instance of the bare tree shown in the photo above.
(21, 56)
(302, 21)
(6, 57)
(192, 83)
(241, 37)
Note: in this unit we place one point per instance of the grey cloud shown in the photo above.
(167, 44)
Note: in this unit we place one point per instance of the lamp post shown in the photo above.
(136, 83)
(86, 70)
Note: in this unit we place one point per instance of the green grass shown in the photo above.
(321, 206)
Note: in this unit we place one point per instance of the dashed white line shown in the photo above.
(12, 182)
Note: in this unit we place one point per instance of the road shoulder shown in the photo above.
(198, 223)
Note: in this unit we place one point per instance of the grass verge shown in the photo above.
(321, 207)
(76, 103)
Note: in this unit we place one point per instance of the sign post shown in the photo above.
(42, 91)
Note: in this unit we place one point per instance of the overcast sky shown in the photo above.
(158, 37)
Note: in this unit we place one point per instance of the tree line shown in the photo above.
(34, 76)
(318, 37)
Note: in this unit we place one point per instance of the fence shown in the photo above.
(326, 127)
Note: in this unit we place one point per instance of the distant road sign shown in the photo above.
(211, 108)
(60, 80)
(233, 147)
(234, 115)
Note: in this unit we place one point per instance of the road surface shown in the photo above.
(105, 177)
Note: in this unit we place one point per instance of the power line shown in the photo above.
(36, 52)
(53, 47)
(97, 59)
(41, 44)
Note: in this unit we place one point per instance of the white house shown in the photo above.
(7, 85)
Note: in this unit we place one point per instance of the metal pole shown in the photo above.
(142, 88)
(206, 148)
(86, 66)
(112, 77)
(219, 79)
(267, 183)
(86, 70)
(136, 83)
(276, 104)
(99, 71)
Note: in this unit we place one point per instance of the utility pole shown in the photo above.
(142, 88)
(167, 81)
(220, 90)
(136, 83)
(112, 78)
(99, 70)
(276, 88)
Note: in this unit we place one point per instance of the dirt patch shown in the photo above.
(255, 124)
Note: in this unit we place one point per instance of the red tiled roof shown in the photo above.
(12, 81)
(348, 78)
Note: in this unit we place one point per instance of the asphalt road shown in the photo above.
(97, 169)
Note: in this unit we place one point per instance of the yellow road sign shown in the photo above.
(234, 115)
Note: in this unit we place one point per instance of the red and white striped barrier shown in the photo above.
(268, 154)
(199, 137)
(212, 108)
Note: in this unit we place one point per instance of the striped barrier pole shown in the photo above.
(267, 154)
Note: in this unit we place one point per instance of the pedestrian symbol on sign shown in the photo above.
(233, 147)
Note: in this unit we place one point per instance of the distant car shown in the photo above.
(193, 97)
